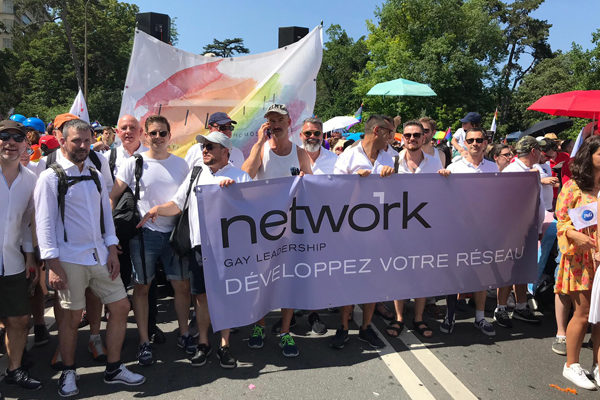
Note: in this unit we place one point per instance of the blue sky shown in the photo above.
(257, 21)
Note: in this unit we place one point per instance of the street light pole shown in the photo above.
(85, 57)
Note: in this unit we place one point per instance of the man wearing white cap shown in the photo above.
(215, 169)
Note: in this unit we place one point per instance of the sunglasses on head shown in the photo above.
(161, 133)
(17, 137)
(471, 140)
(407, 136)
(312, 133)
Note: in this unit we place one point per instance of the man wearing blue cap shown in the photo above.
(470, 121)
(218, 122)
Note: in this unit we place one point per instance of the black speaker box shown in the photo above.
(155, 24)
(291, 34)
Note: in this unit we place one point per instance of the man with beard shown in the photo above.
(77, 240)
(321, 159)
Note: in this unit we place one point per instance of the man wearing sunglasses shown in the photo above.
(162, 174)
(217, 122)
(321, 159)
(17, 273)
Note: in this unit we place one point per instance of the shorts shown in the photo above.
(156, 247)
(197, 285)
(14, 296)
(96, 277)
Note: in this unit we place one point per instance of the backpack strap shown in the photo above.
(96, 178)
(139, 169)
(62, 188)
(195, 172)
(396, 163)
(51, 158)
(112, 161)
(95, 160)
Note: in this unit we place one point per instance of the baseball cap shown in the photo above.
(277, 108)
(551, 136)
(528, 143)
(48, 144)
(62, 118)
(215, 137)
(220, 118)
(9, 125)
(471, 117)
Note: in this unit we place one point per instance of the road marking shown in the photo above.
(404, 375)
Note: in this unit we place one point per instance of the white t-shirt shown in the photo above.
(462, 166)
(460, 136)
(35, 167)
(159, 183)
(206, 177)
(429, 164)
(391, 151)
(236, 157)
(547, 190)
(324, 163)
(519, 166)
(123, 155)
(355, 158)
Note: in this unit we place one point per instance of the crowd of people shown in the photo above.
(63, 181)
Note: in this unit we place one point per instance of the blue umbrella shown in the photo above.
(354, 136)
(401, 87)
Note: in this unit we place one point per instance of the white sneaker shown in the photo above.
(67, 384)
(577, 375)
(596, 373)
(124, 376)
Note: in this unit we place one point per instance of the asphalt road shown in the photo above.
(517, 363)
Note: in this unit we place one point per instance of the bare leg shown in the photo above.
(140, 310)
(93, 309)
(521, 293)
(480, 300)
(67, 335)
(182, 303)
(116, 328)
(399, 307)
(16, 338)
(562, 307)
(37, 306)
(577, 326)
(202, 318)
(368, 310)
(286, 319)
(225, 337)
(345, 312)
(419, 308)
(502, 294)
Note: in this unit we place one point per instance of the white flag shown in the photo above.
(79, 107)
(493, 127)
(577, 144)
(584, 216)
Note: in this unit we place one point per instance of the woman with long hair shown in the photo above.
(577, 263)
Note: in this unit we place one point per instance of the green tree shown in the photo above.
(227, 47)
(343, 60)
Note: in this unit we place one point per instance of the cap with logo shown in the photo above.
(9, 125)
(471, 117)
(215, 137)
(277, 108)
(220, 118)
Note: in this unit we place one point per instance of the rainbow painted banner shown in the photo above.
(186, 87)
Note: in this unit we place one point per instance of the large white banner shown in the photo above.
(186, 87)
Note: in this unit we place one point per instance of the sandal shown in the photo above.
(421, 328)
(394, 328)
(386, 313)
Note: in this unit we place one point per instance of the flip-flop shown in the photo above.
(396, 329)
(421, 327)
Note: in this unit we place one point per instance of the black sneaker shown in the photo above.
(276, 329)
(202, 353)
(21, 377)
(41, 335)
(225, 358)
(316, 324)
(447, 326)
(157, 336)
(187, 343)
(340, 339)
(502, 318)
(369, 336)
(144, 354)
(288, 345)
(526, 315)
(67, 383)
(257, 339)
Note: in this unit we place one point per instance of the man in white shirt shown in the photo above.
(275, 156)
(529, 153)
(77, 240)
(17, 274)
(471, 120)
(216, 169)
(412, 160)
(321, 159)
(217, 122)
(472, 162)
(162, 174)
(367, 157)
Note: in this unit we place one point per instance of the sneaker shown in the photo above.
(193, 327)
(288, 346)
(340, 339)
(56, 363)
(502, 318)
(560, 346)
(257, 339)
(67, 383)
(447, 326)
(368, 335)
(84, 320)
(202, 353)
(596, 373)
(577, 375)
(157, 336)
(316, 324)
(144, 354)
(187, 343)
(97, 349)
(21, 377)
(485, 327)
(124, 376)
(41, 335)
(276, 329)
(526, 315)
(225, 358)
(511, 301)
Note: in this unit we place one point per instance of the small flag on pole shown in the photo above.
(358, 113)
(79, 107)
(493, 127)
(448, 134)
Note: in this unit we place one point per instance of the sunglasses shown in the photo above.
(17, 137)
(407, 136)
(223, 128)
(507, 155)
(208, 146)
(312, 133)
(161, 133)
(471, 140)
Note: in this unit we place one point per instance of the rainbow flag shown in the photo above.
(448, 134)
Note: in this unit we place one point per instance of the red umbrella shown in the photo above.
(578, 103)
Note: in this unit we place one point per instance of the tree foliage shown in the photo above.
(226, 48)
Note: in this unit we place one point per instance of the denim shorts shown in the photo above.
(156, 247)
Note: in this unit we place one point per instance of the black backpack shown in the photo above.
(180, 236)
(65, 182)
(126, 214)
(112, 162)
